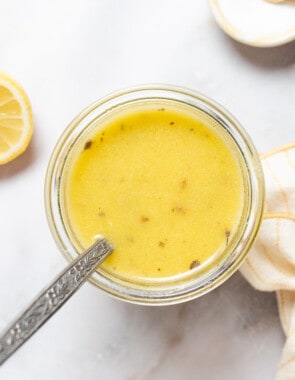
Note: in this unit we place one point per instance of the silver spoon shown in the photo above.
(53, 297)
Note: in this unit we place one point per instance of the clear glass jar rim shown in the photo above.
(212, 109)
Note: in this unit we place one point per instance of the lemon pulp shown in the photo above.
(16, 122)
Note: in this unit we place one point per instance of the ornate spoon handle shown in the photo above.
(53, 297)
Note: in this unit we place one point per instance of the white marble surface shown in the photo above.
(67, 54)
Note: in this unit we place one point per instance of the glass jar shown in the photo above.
(194, 283)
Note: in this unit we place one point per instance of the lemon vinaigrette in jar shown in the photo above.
(170, 179)
(160, 184)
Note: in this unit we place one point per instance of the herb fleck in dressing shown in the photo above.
(167, 198)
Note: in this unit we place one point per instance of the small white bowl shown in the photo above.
(256, 22)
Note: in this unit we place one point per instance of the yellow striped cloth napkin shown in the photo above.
(270, 266)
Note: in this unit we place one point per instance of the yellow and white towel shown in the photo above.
(270, 265)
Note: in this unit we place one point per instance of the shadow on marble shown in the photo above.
(216, 337)
(22, 162)
(269, 58)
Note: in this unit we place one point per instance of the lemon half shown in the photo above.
(16, 120)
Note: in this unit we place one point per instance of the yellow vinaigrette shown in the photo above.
(163, 187)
